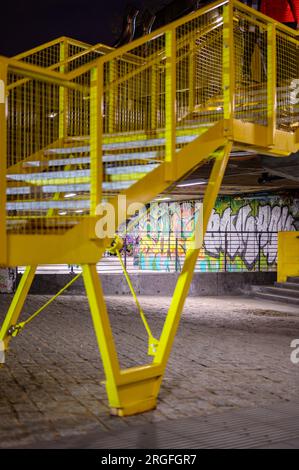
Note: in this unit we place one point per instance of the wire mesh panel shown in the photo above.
(46, 55)
(166, 88)
(132, 109)
(251, 67)
(64, 54)
(199, 69)
(287, 81)
(48, 176)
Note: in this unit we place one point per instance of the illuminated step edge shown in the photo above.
(71, 188)
(125, 170)
(45, 205)
(86, 160)
(67, 174)
(121, 145)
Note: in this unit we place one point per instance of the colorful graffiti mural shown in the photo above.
(241, 235)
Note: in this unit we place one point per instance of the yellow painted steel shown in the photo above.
(81, 125)
(229, 85)
(17, 304)
(96, 136)
(170, 106)
(63, 96)
(288, 255)
(3, 241)
(271, 82)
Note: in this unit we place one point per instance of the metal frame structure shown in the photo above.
(133, 97)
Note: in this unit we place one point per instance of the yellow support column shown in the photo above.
(103, 332)
(17, 304)
(287, 255)
(3, 163)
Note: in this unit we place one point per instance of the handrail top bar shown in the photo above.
(35, 72)
(61, 39)
(67, 77)
(172, 26)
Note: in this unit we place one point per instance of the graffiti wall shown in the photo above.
(241, 235)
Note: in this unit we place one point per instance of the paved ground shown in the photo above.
(273, 427)
(230, 353)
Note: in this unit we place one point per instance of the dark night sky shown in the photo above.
(27, 23)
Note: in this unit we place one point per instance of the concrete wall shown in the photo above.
(159, 283)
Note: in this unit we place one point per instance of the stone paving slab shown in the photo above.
(229, 354)
(274, 427)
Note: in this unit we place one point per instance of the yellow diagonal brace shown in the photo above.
(19, 326)
(17, 304)
(185, 277)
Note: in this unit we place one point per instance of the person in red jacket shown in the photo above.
(284, 11)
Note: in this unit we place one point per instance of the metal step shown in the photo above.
(86, 160)
(133, 144)
(293, 279)
(277, 298)
(69, 188)
(41, 178)
(287, 285)
(125, 170)
(74, 204)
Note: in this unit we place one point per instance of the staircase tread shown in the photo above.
(277, 297)
(121, 145)
(290, 285)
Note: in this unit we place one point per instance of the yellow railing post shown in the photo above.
(3, 162)
(154, 97)
(112, 97)
(271, 82)
(63, 93)
(191, 79)
(170, 104)
(228, 67)
(96, 136)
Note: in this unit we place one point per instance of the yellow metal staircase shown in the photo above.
(82, 125)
